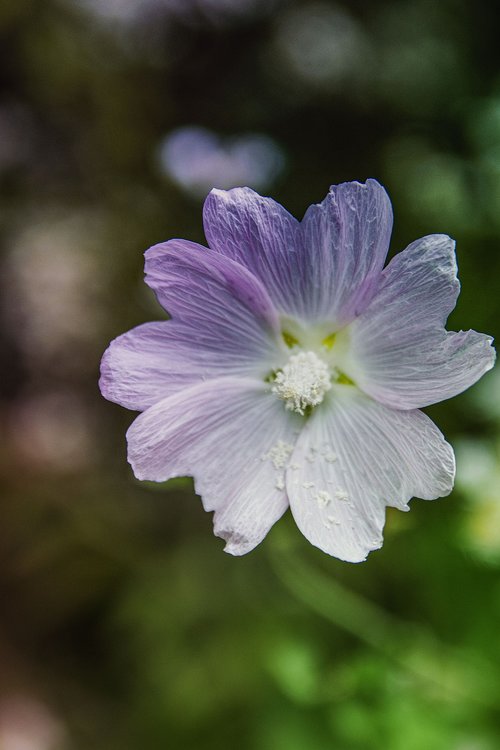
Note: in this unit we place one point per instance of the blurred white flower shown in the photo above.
(198, 160)
(51, 432)
(321, 43)
(26, 724)
(52, 287)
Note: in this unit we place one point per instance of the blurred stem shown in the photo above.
(417, 650)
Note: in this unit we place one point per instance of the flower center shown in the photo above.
(302, 382)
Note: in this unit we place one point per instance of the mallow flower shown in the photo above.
(294, 366)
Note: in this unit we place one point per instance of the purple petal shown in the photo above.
(261, 235)
(346, 239)
(199, 286)
(155, 360)
(355, 457)
(324, 269)
(401, 353)
(235, 438)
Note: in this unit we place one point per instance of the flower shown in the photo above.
(293, 368)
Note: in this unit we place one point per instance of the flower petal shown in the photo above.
(261, 235)
(206, 289)
(347, 238)
(401, 354)
(224, 324)
(235, 438)
(323, 269)
(352, 459)
(155, 360)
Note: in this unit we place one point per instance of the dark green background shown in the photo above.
(123, 624)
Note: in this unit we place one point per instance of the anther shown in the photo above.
(302, 382)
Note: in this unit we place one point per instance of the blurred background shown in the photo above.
(123, 625)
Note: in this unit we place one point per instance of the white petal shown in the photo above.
(354, 457)
(400, 352)
(154, 360)
(235, 438)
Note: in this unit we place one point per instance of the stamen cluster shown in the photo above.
(302, 382)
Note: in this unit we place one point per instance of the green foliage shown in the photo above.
(124, 624)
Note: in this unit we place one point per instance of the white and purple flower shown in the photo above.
(293, 368)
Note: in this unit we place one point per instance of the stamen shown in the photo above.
(329, 341)
(279, 454)
(302, 382)
(344, 379)
(289, 339)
